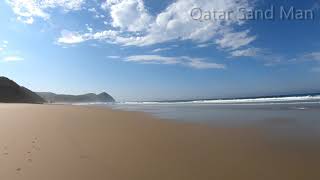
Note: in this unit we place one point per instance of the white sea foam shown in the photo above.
(91, 103)
(264, 100)
(271, 100)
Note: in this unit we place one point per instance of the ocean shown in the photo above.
(229, 111)
(283, 115)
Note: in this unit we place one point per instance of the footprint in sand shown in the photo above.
(5, 153)
(29, 158)
(34, 141)
(34, 147)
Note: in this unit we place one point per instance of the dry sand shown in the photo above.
(42, 142)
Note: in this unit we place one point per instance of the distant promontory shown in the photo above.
(85, 98)
(11, 92)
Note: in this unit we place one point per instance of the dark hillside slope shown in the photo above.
(11, 92)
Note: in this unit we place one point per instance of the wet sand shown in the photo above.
(52, 142)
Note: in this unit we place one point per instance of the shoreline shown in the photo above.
(78, 142)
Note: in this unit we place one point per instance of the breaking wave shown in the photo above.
(267, 100)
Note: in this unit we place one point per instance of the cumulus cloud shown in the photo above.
(130, 15)
(27, 10)
(196, 63)
(135, 26)
(175, 23)
(68, 37)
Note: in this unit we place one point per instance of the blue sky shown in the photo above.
(155, 50)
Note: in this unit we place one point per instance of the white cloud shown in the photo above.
(204, 45)
(96, 13)
(235, 40)
(160, 50)
(201, 64)
(139, 28)
(65, 4)
(12, 58)
(128, 15)
(114, 57)
(27, 10)
(89, 28)
(69, 37)
(315, 56)
(196, 63)
(153, 59)
(250, 52)
(266, 56)
(4, 45)
(92, 10)
(29, 20)
(175, 23)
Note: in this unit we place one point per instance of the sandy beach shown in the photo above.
(55, 142)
